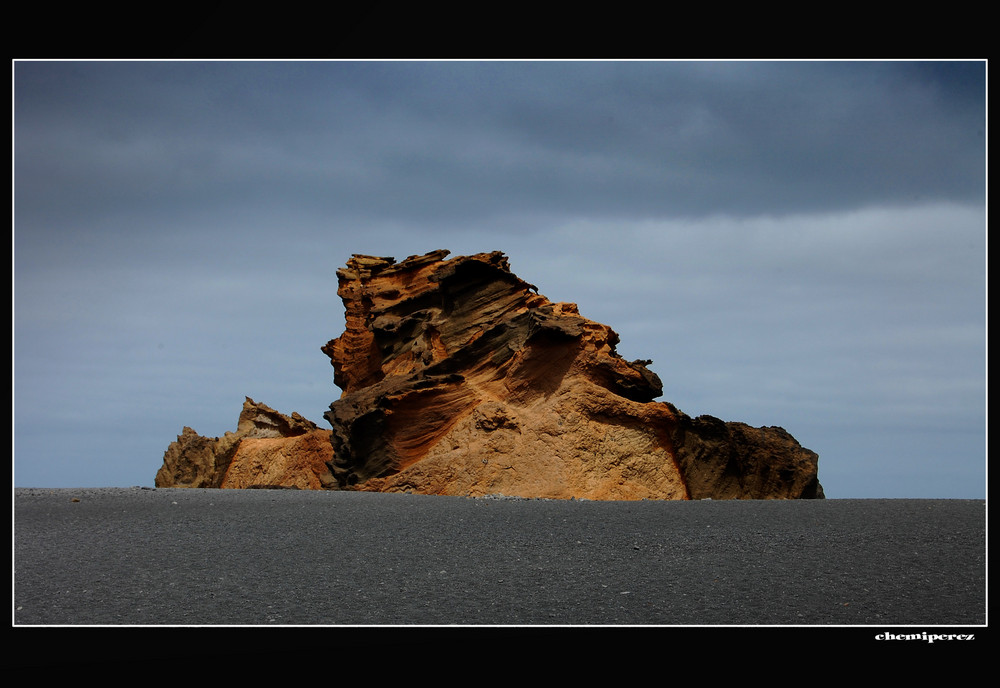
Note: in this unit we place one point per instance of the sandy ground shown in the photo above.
(183, 557)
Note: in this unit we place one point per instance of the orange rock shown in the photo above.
(268, 449)
(458, 378)
(299, 461)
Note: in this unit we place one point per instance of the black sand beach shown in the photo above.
(136, 556)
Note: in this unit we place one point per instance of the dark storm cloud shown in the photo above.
(450, 141)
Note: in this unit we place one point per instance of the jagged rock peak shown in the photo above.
(430, 315)
(260, 420)
(360, 265)
(449, 361)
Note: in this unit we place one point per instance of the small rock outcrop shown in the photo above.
(459, 378)
(268, 449)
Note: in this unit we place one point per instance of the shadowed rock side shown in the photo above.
(268, 449)
(458, 378)
(722, 460)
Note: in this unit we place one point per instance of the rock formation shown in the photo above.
(459, 378)
(268, 449)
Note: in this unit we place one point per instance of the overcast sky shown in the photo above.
(792, 244)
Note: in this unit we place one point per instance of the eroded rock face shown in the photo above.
(458, 378)
(268, 449)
